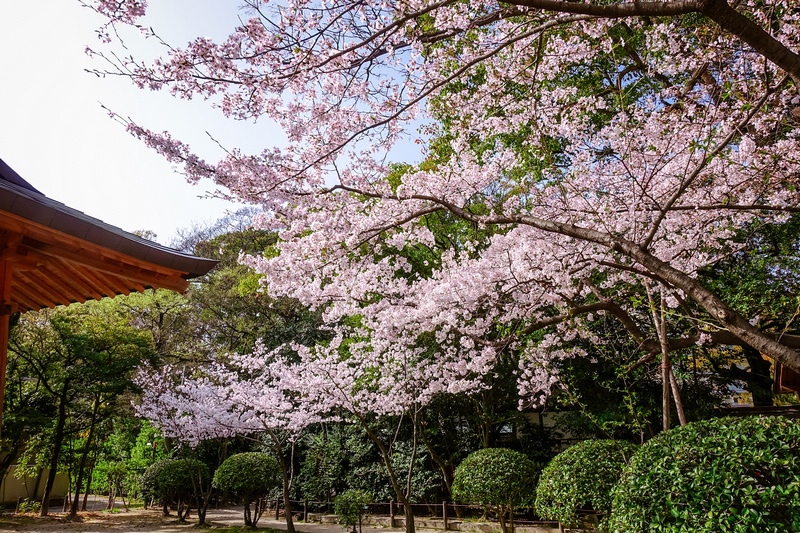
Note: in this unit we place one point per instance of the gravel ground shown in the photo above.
(152, 520)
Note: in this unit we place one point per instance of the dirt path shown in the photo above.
(152, 520)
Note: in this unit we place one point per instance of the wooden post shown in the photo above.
(391, 513)
(5, 314)
(19, 503)
(305, 510)
(277, 509)
(444, 514)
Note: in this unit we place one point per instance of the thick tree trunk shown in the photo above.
(719, 11)
(58, 440)
(758, 380)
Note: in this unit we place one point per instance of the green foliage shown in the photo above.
(149, 480)
(148, 447)
(581, 477)
(29, 506)
(322, 466)
(721, 475)
(175, 477)
(364, 468)
(495, 476)
(116, 474)
(249, 475)
(170, 480)
(350, 507)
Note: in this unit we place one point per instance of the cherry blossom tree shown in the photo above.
(243, 397)
(605, 145)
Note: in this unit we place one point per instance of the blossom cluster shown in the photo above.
(578, 147)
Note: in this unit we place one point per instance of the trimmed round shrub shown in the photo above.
(175, 477)
(149, 479)
(721, 475)
(175, 485)
(495, 477)
(581, 477)
(350, 507)
(250, 476)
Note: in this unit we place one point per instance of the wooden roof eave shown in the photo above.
(61, 255)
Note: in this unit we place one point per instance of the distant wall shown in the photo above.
(12, 488)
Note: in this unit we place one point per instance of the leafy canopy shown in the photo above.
(720, 475)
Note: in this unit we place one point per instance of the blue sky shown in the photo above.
(55, 134)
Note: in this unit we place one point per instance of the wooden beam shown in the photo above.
(54, 272)
(119, 286)
(98, 281)
(32, 290)
(80, 280)
(48, 287)
(22, 302)
(100, 259)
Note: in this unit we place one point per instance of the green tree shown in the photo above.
(83, 357)
(720, 475)
(179, 481)
(498, 478)
(322, 467)
(252, 476)
(351, 507)
(581, 478)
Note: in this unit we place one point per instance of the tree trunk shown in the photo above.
(88, 490)
(387, 461)
(287, 504)
(58, 440)
(413, 455)
(501, 516)
(667, 377)
(248, 520)
(202, 496)
(758, 379)
(439, 463)
(676, 395)
(73, 512)
(89, 478)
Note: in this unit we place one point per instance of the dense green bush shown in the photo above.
(251, 476)
(496, 477)
(581, 477)
(149, 480)
(172, 480)
(350, 507)
(721, 475)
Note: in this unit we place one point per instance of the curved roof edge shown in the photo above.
(20, 198)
